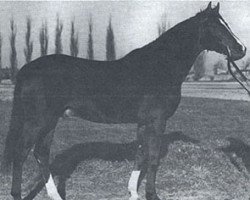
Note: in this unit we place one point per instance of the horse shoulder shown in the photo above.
(158, 106)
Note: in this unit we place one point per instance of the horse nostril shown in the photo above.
(242, 49)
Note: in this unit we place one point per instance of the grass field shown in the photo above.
(198, 161)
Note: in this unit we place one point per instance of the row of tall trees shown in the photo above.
(74, 41)
(44, 42)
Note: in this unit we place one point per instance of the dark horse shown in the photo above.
(144, 87)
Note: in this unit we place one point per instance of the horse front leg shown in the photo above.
(153, 163)
(62, 187)
(140, 166)
(155, 129)
(17, 179)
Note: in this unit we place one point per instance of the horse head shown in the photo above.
(216, 35)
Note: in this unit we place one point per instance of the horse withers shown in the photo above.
(144, 87)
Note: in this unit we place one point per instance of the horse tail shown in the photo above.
(15, 129)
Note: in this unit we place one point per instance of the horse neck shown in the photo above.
(182, 41)
(170, 57)
(177, 49)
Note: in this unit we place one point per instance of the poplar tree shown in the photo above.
(44, 39)
(162, 25)
(58, 38)
(1, 67)
(90, 51)
(73, 41)
(29, 44)
(13, 53)
(110, 43)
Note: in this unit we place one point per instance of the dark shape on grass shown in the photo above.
(66, 162)
(144, 87)
(240, 149)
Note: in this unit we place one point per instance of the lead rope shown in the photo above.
(229, 66)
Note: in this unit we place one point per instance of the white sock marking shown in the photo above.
(132, 185)
(52, 190)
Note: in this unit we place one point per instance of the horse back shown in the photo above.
(107, 92)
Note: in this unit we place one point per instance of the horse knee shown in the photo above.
(140, 156)
(153, 162)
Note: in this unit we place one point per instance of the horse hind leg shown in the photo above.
(43, 122)
(17, 176)
(44, 128)
(42, 154)
(62, 187)
(39, 185)
(24, 145)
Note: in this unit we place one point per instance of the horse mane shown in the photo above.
(169, 36)
(180, 25)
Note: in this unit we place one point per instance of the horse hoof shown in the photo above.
(152, 196)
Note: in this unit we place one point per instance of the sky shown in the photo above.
(134, 22)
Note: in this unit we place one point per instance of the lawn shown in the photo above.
(198, 161)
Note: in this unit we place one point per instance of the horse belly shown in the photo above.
(108, 109)
(119, 109)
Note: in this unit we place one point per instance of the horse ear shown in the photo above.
(217, 8)
(209, 7)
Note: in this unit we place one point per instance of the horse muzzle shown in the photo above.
(237, 53)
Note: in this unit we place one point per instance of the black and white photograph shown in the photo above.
(125, 100)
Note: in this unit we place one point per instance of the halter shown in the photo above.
(229, 62)
(229, 66)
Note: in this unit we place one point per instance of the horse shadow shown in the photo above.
(67, 161)
(237, 148)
